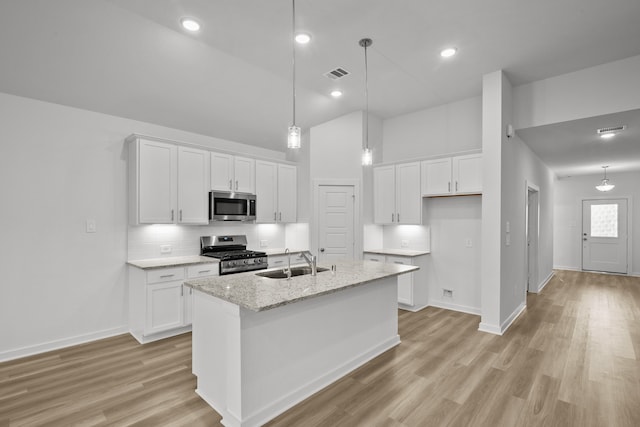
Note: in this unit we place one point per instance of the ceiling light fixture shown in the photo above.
(607, 135)
(336, 93)
(190, 24)
(303, 38)
(293, 134)
(604, 185)
(367, 155)
(448, 52)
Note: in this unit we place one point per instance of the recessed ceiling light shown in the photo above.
(303, 38)
(336, 93)
(607, 135)
(448, 52)
(190, 24)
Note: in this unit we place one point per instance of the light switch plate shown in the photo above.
(91, 226)
(404, 244)
(468, 243)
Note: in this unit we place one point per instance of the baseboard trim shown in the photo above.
(456, 307)
(19, 353)
(546, 281)
(512, 318)
(412, 308)
(558, 267)
(489, 328)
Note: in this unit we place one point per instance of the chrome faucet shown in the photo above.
(287, 271)
(311, 260)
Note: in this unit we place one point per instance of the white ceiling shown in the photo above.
(130, 58)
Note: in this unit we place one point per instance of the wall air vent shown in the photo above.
(612, 129)
(337, 73)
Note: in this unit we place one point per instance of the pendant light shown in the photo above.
(604, 185)
(293, 135)
(367, 155)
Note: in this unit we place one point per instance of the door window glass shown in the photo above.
(604, 220)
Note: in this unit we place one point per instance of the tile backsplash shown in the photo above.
(147, 241)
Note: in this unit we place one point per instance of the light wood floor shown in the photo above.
(571, 359)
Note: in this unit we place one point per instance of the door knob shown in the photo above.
(321, 249)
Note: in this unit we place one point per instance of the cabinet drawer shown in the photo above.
(399, 260)
(165, 275)
(374, 257)
(277, 261)
(202, 270)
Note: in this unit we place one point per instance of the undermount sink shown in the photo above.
(295, 271)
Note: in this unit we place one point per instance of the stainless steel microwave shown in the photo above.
(225, 206)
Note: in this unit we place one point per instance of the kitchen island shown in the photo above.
(262, 345)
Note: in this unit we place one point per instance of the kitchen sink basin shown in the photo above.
(295, 271)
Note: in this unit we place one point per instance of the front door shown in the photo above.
(604, 235)
(336, 223)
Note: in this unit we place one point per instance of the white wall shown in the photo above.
(449, 128)
(58, 167)
(604, 89)
(569, 193)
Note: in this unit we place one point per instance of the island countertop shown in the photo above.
(258, 293)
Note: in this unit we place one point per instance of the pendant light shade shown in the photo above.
(367, 155)
(604, 185)
(293, 134)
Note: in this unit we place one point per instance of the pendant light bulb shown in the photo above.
(367, 155)
(604, 185)
(293, 134)
(293, 137)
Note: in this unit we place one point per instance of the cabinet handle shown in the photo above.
(204, 271)
(392, 217)
(180, 215)
(398, 262)
(456, 185)
(278, 262)
(398, 216)
(167, 275)
(230, 185)
(280, 219)
(190, 291)
(449, 187)
(182, 290)
(275, 216)
(374, 259)
(236, 185)
(172, 215)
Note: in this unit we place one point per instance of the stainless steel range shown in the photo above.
(232, 253)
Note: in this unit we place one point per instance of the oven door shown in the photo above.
(231, 206)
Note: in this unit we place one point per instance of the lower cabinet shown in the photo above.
(160, 305)
(281, 261)
(413, 293)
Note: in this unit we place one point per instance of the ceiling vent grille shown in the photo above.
(337, 73)
(612, 129)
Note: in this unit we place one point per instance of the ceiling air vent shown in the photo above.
(337, 73)
(612, 129)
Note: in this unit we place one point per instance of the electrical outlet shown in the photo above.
(264, 243)
(91, 226)
(468, 243)
(404, 244)
(447, 293)
(165, 249)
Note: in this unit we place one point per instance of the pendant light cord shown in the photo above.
(366, 96)
(293, 56)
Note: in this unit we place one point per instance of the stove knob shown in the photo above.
(246, 261)
(232, 263)
(258, 260)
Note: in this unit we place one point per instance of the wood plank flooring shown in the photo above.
(571, 359)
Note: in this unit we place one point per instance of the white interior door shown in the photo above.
(604, 235)
(532, 240)
(336, 223)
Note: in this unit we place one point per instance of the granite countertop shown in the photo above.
(261, 293)
(176, 261)
(398, 252)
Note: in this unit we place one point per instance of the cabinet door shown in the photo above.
(157, 187)
(405, 281)
(222, 172)
(408, 197)
(467, 172)
(193, 188)
(384, 195)
(187, 318)
(266, 186)
(245, 175)
(287, 193)
(436, 177)
(165, 307)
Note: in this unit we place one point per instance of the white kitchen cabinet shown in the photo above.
(458, 175)
(413, 292)
(232, 173)
(160, 305)
(396, 196)
(167, 183)
(276, 189)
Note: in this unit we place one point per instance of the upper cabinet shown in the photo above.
(167, 183)
(232, 173)
(456, 175)
(396, 194)
(275, 192)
